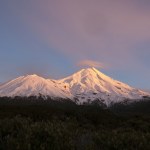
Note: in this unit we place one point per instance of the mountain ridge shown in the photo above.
(32, 85)
(93, 85)
(84, 86)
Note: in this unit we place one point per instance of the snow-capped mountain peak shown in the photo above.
(87, 85)
(91, 84)
(33, 85)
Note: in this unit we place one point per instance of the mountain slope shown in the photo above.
(87, 85)
(90, 84)
(33, 85)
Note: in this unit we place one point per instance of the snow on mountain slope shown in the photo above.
(33, 85)
(87, 85)
(90, 84)
(148, 91)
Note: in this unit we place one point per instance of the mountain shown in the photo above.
(147, 91)
(33, 85)
(90, 85)
(87, 85)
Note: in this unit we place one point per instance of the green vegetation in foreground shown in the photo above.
(55, 125)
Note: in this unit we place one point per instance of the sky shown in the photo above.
(55, 38)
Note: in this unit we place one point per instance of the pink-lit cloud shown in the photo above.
(106, 30)
(90, 63)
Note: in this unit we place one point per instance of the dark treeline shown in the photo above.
(37, 124)
(139, 107)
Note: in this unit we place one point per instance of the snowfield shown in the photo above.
(33, 85)
(87, 85)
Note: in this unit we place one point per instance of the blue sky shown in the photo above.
(50, 38)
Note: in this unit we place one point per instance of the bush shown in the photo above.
(55, 125)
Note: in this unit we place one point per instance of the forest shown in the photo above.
(37, 124)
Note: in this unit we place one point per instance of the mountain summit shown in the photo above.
(90, 84)
(87, 85)
(33, 85)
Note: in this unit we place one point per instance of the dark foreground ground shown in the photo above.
(66, 126)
